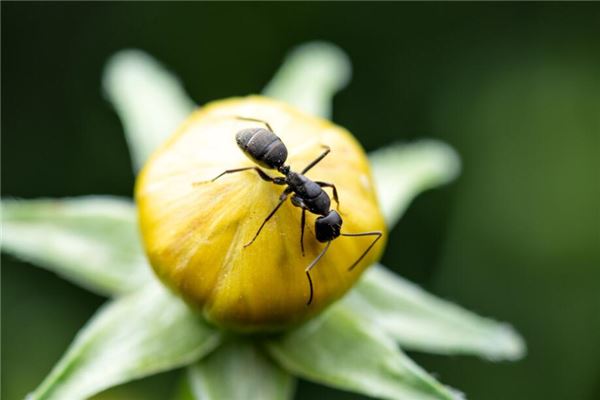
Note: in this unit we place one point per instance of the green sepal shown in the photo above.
(310, 76)
(92, 241)
(423, 322)
(402, 171)
(133, 336)
(238, 370)
(339, 349)
(150, 101)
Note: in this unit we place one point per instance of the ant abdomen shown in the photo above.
(262, 146)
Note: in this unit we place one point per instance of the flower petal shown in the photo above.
(338, 350)
(140, 334)
(310, 76)
(92, 241)
(150, 101)
(402, 171)
(238, 370)
(420, 321)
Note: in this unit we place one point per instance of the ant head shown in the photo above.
(328, 227)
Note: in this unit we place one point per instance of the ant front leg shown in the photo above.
(335, 192)
(298, 202)
(260, 172)
(282, 198)
(316, 160)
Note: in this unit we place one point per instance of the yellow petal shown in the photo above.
(194, 235)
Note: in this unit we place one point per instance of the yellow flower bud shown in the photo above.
(194, 230)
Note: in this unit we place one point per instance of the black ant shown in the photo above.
(266, 149)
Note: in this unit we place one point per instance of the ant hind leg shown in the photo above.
(316, 160)
(259, 171)
(260, 121)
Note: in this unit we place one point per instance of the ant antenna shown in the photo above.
(374, 233)
(316, 260)
(310, 285)
(307, 270)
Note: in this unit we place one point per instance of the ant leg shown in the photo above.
(260, 172)
(302, 230)
(374, 233)
(229, 171)
(316, 160)
(260, 121)
(282, 199)
(311, 265)
(277, 180)
(298, 202)
(335, 193)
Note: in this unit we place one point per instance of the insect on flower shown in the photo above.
(197, 236)
(266, 149)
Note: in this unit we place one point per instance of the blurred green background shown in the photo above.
(515, 88)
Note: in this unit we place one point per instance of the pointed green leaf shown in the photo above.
(150, 101)
(238, 371)
(402, 171)
(136, 335)
(340, 350)
(310, 76)
(420, 321)
(92, 241)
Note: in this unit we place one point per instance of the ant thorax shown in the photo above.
(304, 187)
(295, 179)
